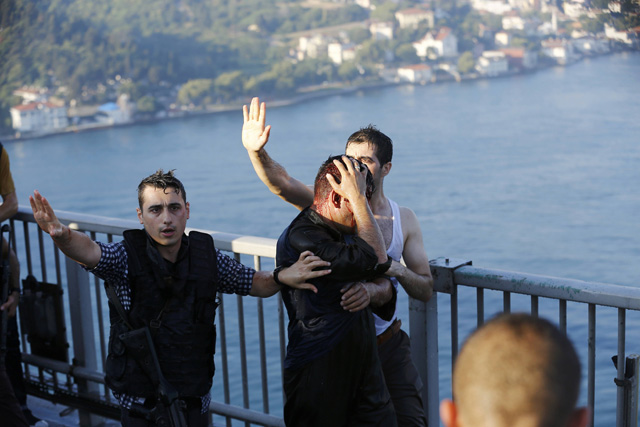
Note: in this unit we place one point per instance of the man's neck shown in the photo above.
(379, 203)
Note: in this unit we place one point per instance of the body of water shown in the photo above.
(535, 173)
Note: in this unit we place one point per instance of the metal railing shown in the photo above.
(251, 367)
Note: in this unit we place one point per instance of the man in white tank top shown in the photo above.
(402, 236)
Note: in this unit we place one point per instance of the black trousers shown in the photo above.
(345, 387)
(10, 412)
(13, 362)
(403, 381)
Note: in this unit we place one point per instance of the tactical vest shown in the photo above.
(180, 314)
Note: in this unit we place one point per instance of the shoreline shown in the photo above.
(298, 98)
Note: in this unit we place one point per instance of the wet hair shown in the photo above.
(322, 188)
(380, 142)
(163, 180)
(516, 367)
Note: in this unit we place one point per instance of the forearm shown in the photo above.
(78, 246)
(279, 182)
(418, 286)
(368, 229)
(263, 285)
(380, 291)
(9, 206)
(14, 277)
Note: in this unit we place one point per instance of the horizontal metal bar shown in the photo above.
(549, 287)
(63, 368)
(238, 243)
(243, 414)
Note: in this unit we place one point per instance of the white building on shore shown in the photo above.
(39, 117)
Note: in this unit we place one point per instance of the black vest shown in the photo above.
(179, 308)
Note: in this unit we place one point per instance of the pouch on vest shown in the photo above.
(42, 319)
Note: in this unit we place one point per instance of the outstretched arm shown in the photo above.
(254, 137)
(295, 276)
(9, 206)
(77, 246)
(415, 277)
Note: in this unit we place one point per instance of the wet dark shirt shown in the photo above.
(317, 322)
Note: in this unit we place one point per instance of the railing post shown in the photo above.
(628, 386)
(81, 314)
(423, 329)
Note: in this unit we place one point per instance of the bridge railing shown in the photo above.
(252, 331)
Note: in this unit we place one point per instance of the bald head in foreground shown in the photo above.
(518, 371)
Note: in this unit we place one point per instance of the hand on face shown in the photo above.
(353, 179)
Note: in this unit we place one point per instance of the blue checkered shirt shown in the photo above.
(233, 278)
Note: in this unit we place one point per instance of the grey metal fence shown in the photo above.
(249, 367)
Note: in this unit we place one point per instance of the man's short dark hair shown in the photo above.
(322, 188)
(380, 142)
(163, 180)
(513, 367)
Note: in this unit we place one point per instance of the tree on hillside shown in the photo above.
(197, 92)
(406, 54)
(466, 63)
(228, 86)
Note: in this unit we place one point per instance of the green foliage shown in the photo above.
(147, 104)
(600, 4)
(196, 92)
(385, 11)
(406, 54)
(359, 35)
(466, 62)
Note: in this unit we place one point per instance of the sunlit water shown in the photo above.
(537, 173)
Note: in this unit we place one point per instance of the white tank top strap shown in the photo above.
(395, 252)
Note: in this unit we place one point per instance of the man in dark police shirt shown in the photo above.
(332, 372)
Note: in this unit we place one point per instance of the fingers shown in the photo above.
(36, 201)
(312, 261)
(334, 184)
(308, 286)
(262, 113)
(265, 134)
(355, 298)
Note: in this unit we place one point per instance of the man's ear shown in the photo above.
(139, 215)
(386, 168)
(336, 199)
(448, 413)
(580, 417)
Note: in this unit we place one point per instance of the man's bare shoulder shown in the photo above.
(409, 221)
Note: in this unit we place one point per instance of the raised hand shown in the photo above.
(45, 216)
(304, 269)
(254, 134)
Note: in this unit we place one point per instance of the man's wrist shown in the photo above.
(384, 267)
(64, 236)
(276, 273)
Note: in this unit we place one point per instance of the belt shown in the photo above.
(389, 332)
